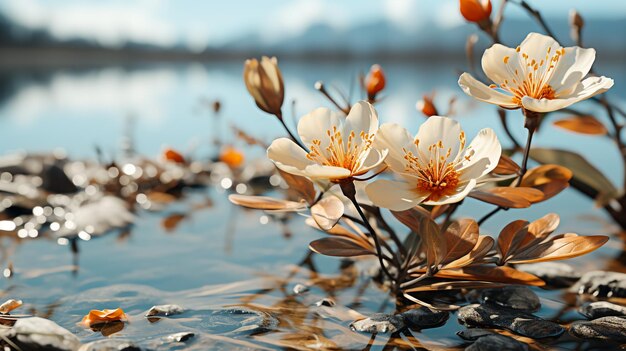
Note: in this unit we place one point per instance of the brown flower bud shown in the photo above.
(426, 106)
(265, 83)
(475, 10)
(374, 82)
(576, 23)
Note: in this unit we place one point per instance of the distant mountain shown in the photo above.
(381, 38)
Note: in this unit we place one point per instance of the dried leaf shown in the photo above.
(508, 197)
(501, 274)
(342, 231)
(173, 156)
(301, 185)
(549, 179)
(438, 210)
(266, 203)
(170, 222)
(420, 222)
(582, 124)
(339, 247)
(538, 230)
(461, 237)
(484, 244)
(506, 166)
(582, 170)
(327, 212)
(560, 248)
(103, 316)
(454, 285)
(9, 306)
(160, 197)
(511, 237)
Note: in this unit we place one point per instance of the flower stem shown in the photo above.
(279, 115)
(348, 189)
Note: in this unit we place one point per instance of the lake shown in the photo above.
(228, 266)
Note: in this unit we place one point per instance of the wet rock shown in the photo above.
(497, 342)
(474, 333)
(602, 284)
(606, 328)
(36, 333)
(422, 318)
(325, 302)
(516, 321)
(253, 322)
(110, 345)
(602, 309)
(555, 274)
(379, 323)
(515, 297)
(300, 289)
(179, 337)
(164, 311)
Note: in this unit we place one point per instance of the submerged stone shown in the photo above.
(497, 342)
(300, 289)
(110, 345)
(555, 274)
(379, 323)
(601, 309)
(164, 310)
(328, 302)
(606, 328)
(253, 322)
(519, 322)
(515, 297)
(36, 333)
(179, 337)
(602, 284)
(422, 318)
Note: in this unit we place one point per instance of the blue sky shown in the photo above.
(197, 22)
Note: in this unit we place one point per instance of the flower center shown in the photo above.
(436, 174)
(349, 154)
(533, 82)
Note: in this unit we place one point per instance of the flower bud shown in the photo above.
(426, 106)
(173, 156)
(374, 82)
(232, 157)
(475, 10)
(576, 23)
(265, 83)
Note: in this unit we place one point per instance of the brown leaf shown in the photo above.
(301, 185)
(327, 212)
(10, 305)
(420, 223)
(160, 197)
(339, 247)
(560, 248)
(506, 166)
(170, 223)
(582, 124)
(461, 237)
(454, 285)
(549, 179)
(484, 244)
(438, 210)
(342, 231)
(538, 230)
(511, 237)
(501, 274)
(266, 203)
(508, 197)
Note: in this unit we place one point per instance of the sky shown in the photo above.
(198, 23)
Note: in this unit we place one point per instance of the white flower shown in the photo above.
(539, 75)
(340, 147)
(434, 168)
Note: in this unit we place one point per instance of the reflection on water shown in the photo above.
(234, 270)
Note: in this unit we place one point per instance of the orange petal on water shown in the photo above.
(232, 157)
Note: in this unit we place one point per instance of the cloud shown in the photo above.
(297, 16)
(108, 23)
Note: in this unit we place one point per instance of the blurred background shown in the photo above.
(79, 74)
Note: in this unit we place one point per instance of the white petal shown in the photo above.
(536, 46)
(494, 66)
(288, 156)
(270, 65)
(461, 194)
(362, 118)
(437, 128)
(373, 160)
(394, 138)
(396, 196)
(316, 123)
(571, 69)
(316, 171)
(476, 89)
(587, 88)
(483, 152)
